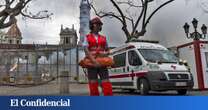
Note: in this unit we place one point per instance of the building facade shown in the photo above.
(13, 35)
(68, 36)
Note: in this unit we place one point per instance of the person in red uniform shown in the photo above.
(96, 44)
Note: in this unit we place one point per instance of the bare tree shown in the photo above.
(124, 16)
(9, 9)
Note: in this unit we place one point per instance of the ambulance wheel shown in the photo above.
(144, 87)
(182, 92)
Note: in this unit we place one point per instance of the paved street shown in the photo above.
(75, 89)
(51, 88)
(168, 93)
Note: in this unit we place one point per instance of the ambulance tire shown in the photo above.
(182, 92)
(144, 87)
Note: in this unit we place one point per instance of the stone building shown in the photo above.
(68, 36)
(13, 35)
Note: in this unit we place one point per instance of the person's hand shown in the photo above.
(107, 53)
(96, 64)
(103, 54)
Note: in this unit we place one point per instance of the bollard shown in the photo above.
(64, 82)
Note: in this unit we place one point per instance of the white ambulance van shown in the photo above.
(146, 66)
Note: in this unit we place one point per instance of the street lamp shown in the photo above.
(195, 23)
(195, 35)
(204, 30)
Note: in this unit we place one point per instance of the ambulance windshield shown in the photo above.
(155, 55)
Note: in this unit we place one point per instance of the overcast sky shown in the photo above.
(166, 25)
(65, 12)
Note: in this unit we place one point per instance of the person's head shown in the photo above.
(95, 24)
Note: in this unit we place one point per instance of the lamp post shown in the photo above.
(26, 57)
(195, 35)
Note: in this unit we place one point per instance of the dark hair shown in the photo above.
(91, 26)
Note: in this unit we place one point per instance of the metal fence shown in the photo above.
(37, 69)
(36, 65)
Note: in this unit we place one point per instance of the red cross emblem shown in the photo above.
(172, 66)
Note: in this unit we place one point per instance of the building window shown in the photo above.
(67, 40)
(18, 42)
(10, 41)
(84, 24)
(84, 12)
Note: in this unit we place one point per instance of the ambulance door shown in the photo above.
(118, 71)
(134, 62)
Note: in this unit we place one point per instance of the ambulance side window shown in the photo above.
(120, 60)
(133, 58)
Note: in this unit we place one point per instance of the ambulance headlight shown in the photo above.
(181, 62)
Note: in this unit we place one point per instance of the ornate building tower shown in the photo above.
(68, 36)
(84, 19)
(83, 31)
(13, 36)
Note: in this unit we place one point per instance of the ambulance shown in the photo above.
(148, 66)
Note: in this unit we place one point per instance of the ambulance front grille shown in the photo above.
(178, 76)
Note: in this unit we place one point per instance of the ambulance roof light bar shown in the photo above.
(148, 41)
(123, 48)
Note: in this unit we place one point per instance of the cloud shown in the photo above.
(65, 12)
(166, 25)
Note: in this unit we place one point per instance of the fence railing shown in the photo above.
(34, 67)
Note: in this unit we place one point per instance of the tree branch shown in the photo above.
(130, 3)
(138, 19)
(120, 11)
(102, 14)
(11, 21)
(148, 19)
(38, 15)
(26, 2)
(124, 28)
(18, 7)
(129, 18)
(145, 13)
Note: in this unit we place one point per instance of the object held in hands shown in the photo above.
(103, 61)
